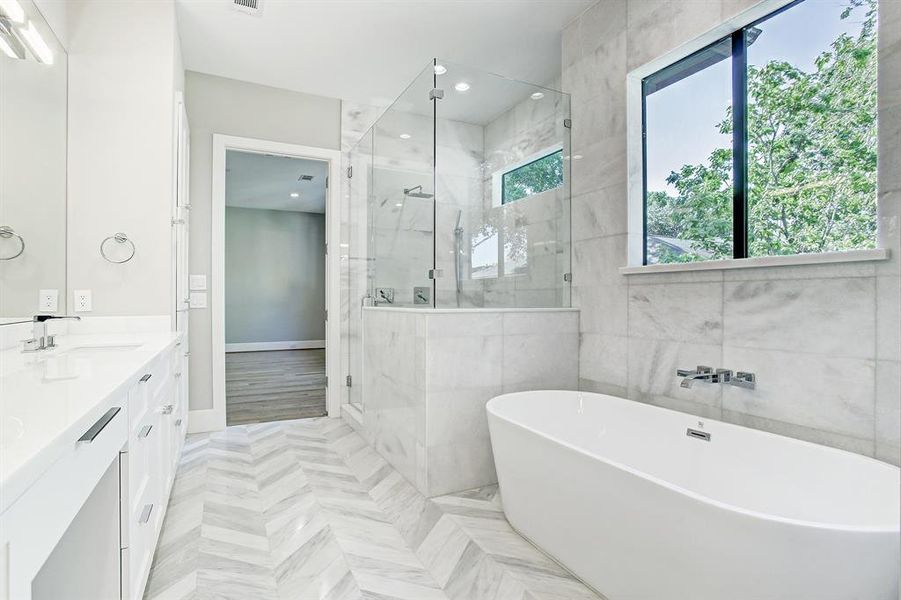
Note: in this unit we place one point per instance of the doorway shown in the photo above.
(272, 281)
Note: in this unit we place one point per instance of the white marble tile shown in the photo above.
(604, 360)
(541, 361)
(829, 316)
(680, 312)
(528, 323)
(465, 362)
(888, 318)
(652, 375)
(822, 392)
(888, 410)
(809, 434)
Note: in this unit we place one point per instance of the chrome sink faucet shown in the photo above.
(40, 340)
(709, 375)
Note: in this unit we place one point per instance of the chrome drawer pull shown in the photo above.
(91, 434)
(145, 431)
(145, 514)
(178, 422)
(146, 377)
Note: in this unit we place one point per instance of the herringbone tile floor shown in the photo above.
(307, 510)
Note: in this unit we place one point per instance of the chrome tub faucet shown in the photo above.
(710, 375)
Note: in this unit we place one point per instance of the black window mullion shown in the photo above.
(739, 145)
(644, 173)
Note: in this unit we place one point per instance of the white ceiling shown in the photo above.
(369, 50)
(267, 181)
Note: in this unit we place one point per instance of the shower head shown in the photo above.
(413, 193)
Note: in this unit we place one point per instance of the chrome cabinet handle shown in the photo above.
(145, 431)
(146, 377)
(145, 514)
(178, 422)
(91, 434)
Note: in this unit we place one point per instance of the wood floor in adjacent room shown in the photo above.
(274, 385)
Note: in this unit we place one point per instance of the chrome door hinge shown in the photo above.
(568, 123)
(349, 381)
(436, 94)
(568, 277)
(436, 273)
(350, 172)
(326, 381)
(326, 182)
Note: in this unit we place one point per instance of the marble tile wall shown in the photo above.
(824, 340)
(429, 374)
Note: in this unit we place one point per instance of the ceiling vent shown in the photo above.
(250, 7)
(305, 178)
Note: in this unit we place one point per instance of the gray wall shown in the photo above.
(226, 106)
(274, 275)
(824, 340)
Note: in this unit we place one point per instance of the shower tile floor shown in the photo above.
(307, 510)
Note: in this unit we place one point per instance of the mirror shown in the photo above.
(33, 87)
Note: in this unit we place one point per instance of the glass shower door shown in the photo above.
(355, 271)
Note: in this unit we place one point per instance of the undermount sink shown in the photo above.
(102, 349)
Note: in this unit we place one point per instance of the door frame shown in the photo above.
(215, 418)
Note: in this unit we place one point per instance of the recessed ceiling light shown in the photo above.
(405, 136)
(440, 69)
(295, 195)
(399, 204)
(462, 86)
(12, 10)
(537, 96)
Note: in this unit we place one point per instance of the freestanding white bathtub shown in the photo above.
(621, 495)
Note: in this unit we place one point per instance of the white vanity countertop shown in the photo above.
(49, 399)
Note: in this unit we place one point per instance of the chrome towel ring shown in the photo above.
(119, 238)
(7, 232)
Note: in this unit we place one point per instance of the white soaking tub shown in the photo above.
(620, 494)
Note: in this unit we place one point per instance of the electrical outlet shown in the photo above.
(83, 301)
(48, 301)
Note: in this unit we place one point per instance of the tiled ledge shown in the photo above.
(432, 311)
(878, 254)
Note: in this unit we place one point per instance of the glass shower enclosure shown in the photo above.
(458, 198)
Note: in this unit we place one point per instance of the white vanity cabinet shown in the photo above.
(157, 426)
(49, 535)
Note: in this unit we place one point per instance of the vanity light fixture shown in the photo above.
(9, 44)
(12, 10)
(537, 96)
(462, 87)
(38, 46)
(405, 136)
(295, 195)
(440, 69)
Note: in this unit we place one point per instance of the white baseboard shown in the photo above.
(262, 346)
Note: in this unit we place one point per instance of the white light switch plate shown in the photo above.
(197, 282)
(48, 301)
(83, 301)
(198, 300)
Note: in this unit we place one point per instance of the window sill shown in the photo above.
(763, 261)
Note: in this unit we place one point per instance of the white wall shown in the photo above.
(226, 106)
(124, 69)
(824, 340)
(274, 276)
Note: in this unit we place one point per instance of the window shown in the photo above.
(536, 176)
(764, 143)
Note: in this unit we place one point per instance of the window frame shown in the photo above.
(737, 33)
(498, 176)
